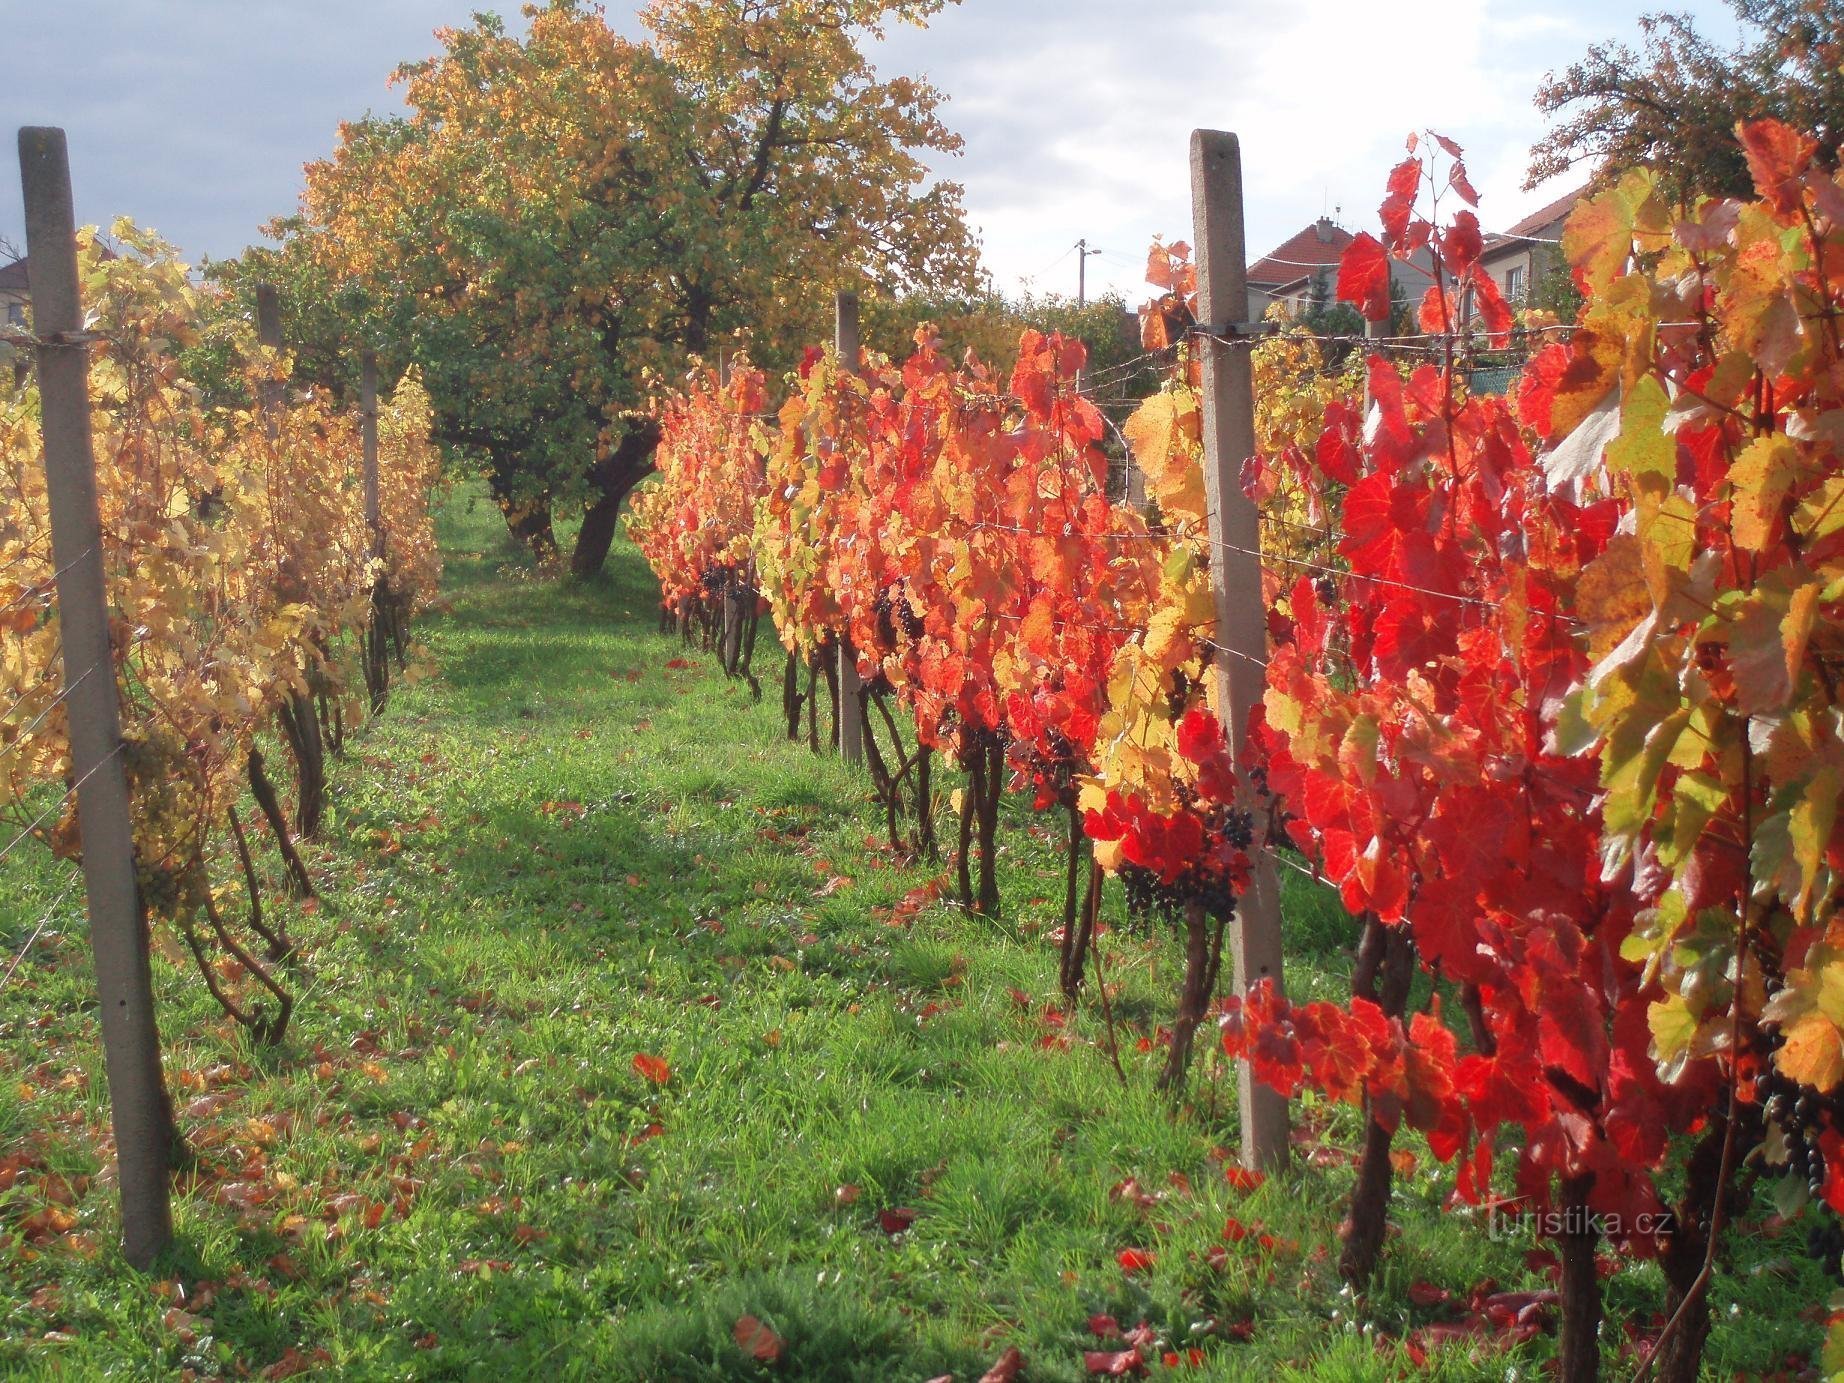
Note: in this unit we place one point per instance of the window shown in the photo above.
(1514, 284)
(15, 314)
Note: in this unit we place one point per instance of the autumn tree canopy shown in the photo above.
(1673, 104)
(562, 214)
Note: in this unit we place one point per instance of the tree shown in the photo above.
(563, 216)
(990, 324)
(1323, 317)
(1551, 284)
(1674, 105)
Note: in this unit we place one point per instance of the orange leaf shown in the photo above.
(757, 1340)
(652, 1068)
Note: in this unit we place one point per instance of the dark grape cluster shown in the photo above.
(1802, 1115)
(1148, 897)
(1327, 590)
(894, 616)
(1180, 695)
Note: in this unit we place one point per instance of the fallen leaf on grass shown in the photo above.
(283, 1266)
(47, 1224)
(468, 1267)
(757, 1340)
(896, 1219)
(653, 1068)
(293, 1361)
(1007, 1367)
(1134, 1260)
(1118, 1363)
(207, 1105)
(1427, 1294)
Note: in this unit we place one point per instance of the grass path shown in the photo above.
(558, 854)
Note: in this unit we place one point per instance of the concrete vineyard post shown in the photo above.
(1235, 564)
(368, 425)
(269, 334)
(851, 732)
(138, 1107)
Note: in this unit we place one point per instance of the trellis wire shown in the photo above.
(39, 930)
(69, 793)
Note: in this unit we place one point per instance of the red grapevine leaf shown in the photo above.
(1459, 182)
(1122, 1363)
(1461, 244)
(1494, 311)
(1778, 159)
(1399, 204)
(757, 1340)
(1363, 277)
(1006, 1368)
(652, 1068)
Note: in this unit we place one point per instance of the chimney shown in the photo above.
(1323, 228)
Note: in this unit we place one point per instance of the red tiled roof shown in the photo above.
(1546, 220)
(1320, 244)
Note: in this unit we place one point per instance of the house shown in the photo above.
(1303, 270)
(1298, 267)
(1517, 257)
(15, 295)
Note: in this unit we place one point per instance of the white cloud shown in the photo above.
(196, 118)
(1077, 116)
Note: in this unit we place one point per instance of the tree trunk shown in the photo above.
(829, 666)
(813, 701)
(301, 728)
(1580, 1360)
(994, 785)
(925, 802)
(1076, 948)
(1680, 1352)
(790, 695)
(1203, 957)
(530, 525)
(613, 477)
(1071, 884)
(300, 883)
(969, 810)
(1385, 971)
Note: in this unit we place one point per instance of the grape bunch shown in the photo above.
(1802, 1115)
(895, 616)
(1147, 896)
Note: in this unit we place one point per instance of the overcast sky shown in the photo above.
(195, 116)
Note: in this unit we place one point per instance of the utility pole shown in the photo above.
(139, 1110)
(1235, 569)
(1082, 254)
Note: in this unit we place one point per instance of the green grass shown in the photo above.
(537, 866)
